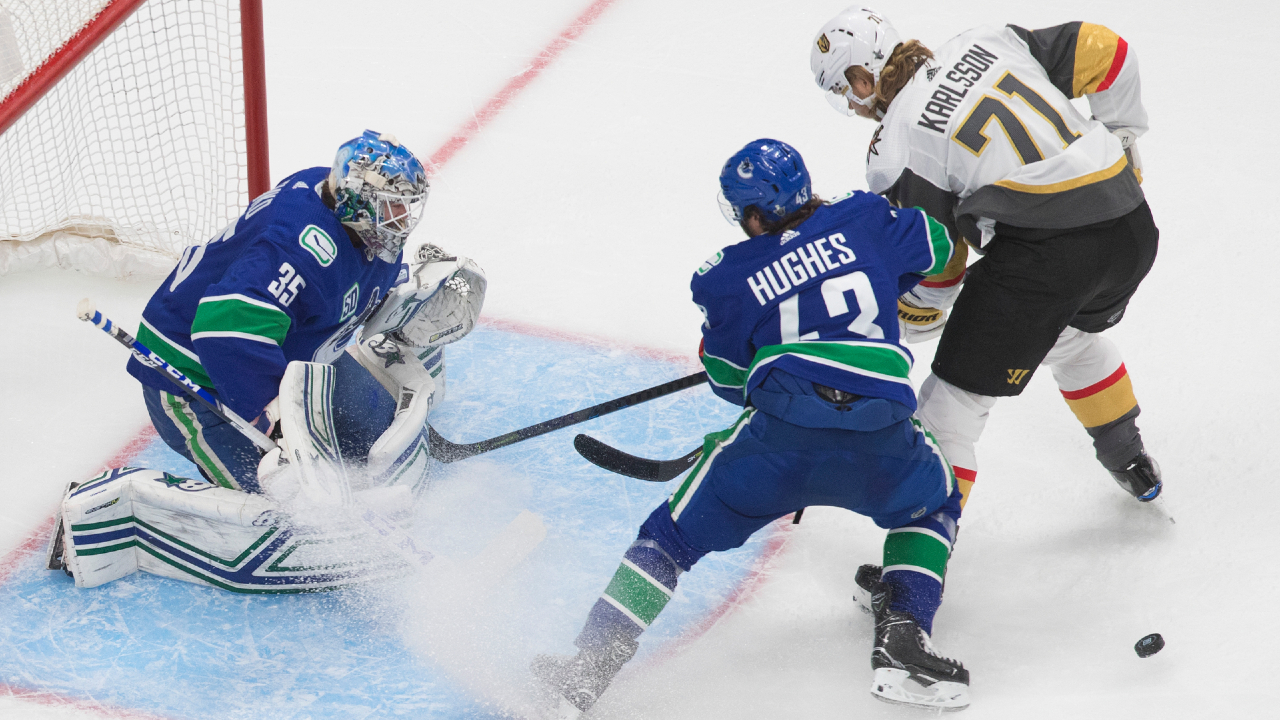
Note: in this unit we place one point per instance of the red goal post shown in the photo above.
(129, 129)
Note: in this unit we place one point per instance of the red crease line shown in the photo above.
(51, 699)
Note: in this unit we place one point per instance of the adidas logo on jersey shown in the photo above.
(788, 236)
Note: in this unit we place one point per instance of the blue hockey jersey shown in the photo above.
(819, 302)
(282, 282)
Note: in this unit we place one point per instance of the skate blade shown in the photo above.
(1161, 507)
(890, 685)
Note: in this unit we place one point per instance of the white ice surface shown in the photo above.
(590, 199)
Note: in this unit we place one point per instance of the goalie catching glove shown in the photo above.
(438, 305)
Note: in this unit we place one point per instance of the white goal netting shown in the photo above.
(138, 151)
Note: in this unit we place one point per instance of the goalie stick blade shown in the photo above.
(616, 461)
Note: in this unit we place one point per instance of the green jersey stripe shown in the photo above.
(177, 356)
(877, 360)
(234, 334)
(233, 314)
(940, 244)
(724, 373)
(917, 550)
(239, 298)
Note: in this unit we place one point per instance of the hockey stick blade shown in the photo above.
(446, 451)
(616, 461)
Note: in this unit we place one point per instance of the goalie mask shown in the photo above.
(380, 189)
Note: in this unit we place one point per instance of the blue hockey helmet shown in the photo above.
(768, 174)
(380, 189)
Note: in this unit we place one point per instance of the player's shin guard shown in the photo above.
(639, 590)
(642, 585)
(915, 562)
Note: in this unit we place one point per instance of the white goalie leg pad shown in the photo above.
(310, 440)
(132, 519)
(400, 456)
(955, 417)
(894, 686)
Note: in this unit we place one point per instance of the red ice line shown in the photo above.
(515, 85)
(755, 577)
(41, 697)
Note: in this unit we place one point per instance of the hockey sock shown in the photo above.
(915, 562)
(642, 585)
(1108, 410)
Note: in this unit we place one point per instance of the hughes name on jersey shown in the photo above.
(819, 302)
(283, 282)
(986, 132)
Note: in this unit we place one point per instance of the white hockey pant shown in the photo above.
(1090, 374)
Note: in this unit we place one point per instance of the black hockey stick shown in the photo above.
(614, 460)
(446, 451)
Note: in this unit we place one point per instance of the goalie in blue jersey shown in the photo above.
(292, 279)
(802, 330)
(265, 316)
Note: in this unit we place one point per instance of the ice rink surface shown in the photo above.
(589, 199)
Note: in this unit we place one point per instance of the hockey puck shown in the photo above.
(1149, 645)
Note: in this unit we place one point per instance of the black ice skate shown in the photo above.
(1140, 477)
(578, 681)
(907, 670)
(867, 580)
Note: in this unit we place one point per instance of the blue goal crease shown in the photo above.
(175, 649)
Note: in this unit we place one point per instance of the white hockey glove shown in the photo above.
(438, 305)
(1129, 141)
(917, 321)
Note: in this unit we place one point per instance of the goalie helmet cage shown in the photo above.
(129, 129)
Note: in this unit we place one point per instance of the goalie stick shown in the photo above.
(87, 311)
(445, 451)
(441, 449)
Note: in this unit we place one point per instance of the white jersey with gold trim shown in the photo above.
(986, 132)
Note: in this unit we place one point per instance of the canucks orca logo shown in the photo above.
(745, 169)
(184, 484)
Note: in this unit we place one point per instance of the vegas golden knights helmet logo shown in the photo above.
(824, 45)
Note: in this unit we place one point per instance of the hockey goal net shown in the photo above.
(129, 129)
